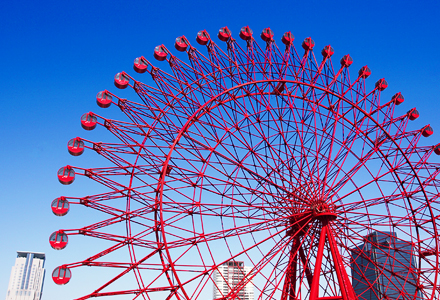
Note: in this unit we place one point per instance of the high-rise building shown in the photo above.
(27, 277)
(231, 276)
(384, 267)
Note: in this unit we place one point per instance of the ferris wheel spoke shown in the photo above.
(272, 152)
(244, 251)
(339, 182)
(199, 237)
(236, 182)
(126, 271)
(392, 199)
(239, 211)
(236, 162)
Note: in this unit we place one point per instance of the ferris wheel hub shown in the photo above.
(323, 210)
(326, 215)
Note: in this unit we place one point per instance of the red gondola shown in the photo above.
(203, 37)
(287, 38)
(140, 64)
(104, 99)
(224, 34)
(75, 146)
(413, 114)
(398, 98)
(246, 33)
(346, 61)
(437, 149)
(328, 51)
(381, 84)
(181, 44)
(88, 121)
(267, 34)
(308, 44)
(61, 275)
(66, 175)
(427, 131)
(121, 80)
(60, 206)
(364, 72)
(168, 170)
(58, 240)
(279, 88)
(159, 53)
(428, 252)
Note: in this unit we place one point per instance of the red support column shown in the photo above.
(314, 290)
(289, 288)
(344, 282)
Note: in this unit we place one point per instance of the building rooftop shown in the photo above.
(39, 255)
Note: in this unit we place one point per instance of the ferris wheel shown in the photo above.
(253, 154)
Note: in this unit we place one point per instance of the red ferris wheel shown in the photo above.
(270, 157)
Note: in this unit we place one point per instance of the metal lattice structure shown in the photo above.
(263, 154)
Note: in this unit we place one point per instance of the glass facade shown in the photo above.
(384, 267)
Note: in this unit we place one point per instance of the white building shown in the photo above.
(27, 276)
(228, 276)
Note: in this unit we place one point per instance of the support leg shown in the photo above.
(314, 290)
(289, 288)
(344, 282)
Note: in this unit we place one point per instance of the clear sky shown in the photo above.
(56, 55)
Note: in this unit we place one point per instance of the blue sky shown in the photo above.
(56, 55)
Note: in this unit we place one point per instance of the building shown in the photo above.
(384, 267)
(231, 276)
(27, 277)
